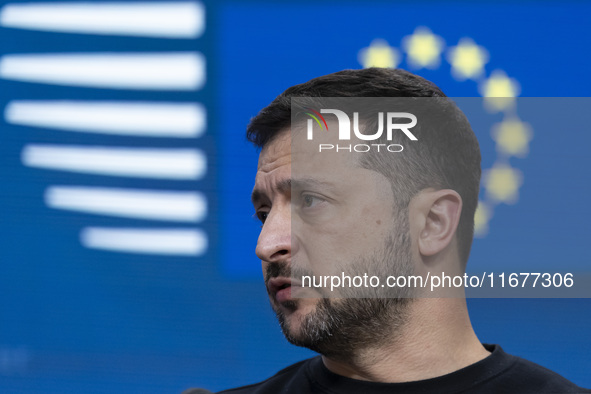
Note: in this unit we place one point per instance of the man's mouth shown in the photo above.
(280, 288)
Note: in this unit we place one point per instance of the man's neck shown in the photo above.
(436, 340)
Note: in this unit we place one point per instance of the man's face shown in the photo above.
(323, 215)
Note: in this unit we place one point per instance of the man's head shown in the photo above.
(392, 204)
(447, 160)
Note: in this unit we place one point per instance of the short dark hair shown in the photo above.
(448, 158)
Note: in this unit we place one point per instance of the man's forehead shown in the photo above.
(276, 153)
(287, 151)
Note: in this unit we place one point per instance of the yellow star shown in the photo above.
(512, 137)
(502, 183)
(481, 219)
(424, 48)
(499, 91)
(379, 54)
(467, 59)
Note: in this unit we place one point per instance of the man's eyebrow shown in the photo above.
(305, 183)
(283, 186)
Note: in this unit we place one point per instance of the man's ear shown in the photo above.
(440, 214)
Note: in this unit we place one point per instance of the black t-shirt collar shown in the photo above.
(455, 382)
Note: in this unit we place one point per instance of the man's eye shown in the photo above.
(262, 216)
(309, 201)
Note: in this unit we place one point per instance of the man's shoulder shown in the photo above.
(528, 377)
(500, 372)
(278, 382)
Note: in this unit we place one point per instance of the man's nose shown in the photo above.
(274, 242)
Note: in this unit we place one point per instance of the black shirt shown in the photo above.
(497, 373)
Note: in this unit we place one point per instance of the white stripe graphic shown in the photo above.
(178, 242)
(140, 71)
(129, 203)
(182, 164)
(111, 117)
(157, 19)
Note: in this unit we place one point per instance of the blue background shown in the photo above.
(90, 321)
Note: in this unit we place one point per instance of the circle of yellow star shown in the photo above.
(499, 91)
(379, 54)
(467, 59)
(423, 48)
(502, 183)
(512, 137)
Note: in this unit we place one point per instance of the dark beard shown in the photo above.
(339, 328)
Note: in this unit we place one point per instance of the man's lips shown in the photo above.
(280, 288)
